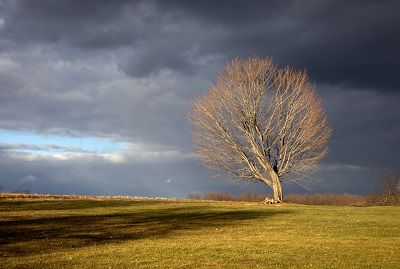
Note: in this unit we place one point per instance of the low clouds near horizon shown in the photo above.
(125, 72)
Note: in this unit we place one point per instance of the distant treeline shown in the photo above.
(26, 194)
(377, 199)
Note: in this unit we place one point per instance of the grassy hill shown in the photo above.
(51, 232)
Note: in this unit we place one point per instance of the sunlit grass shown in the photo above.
(43, 233)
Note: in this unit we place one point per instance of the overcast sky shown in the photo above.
(94, 94)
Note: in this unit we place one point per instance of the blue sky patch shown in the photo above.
(41, 144)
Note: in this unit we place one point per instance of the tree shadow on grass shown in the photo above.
(50, 234)
(60, 205)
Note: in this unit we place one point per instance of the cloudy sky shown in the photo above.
(94, 94)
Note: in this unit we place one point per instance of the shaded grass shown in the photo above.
(195, 234)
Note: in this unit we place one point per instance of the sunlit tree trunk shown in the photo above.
(277, 189)
(274, 183)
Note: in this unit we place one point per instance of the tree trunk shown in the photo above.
(276, 187)
(277, 192)
(275, 184)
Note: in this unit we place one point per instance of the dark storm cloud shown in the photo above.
(75, 22)
(152, 36)
(366, 127)
(346, 42)
(349, 42)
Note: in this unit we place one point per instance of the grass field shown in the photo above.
(123, 233)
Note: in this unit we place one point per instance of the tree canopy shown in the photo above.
(261, 122)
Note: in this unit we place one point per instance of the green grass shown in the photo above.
(90, 233)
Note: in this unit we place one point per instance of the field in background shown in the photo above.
(103, 232)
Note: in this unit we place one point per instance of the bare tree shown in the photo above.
(260, 122)
(390, 182)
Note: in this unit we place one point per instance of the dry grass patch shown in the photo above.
(195, 234)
